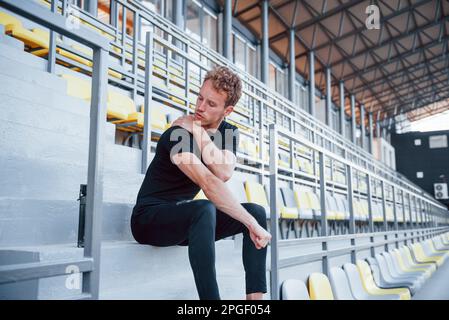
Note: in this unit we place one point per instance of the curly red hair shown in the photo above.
(225, 80)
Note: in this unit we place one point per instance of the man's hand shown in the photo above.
(259, 236)
(188, 123)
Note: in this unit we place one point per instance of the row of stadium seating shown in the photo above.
(391, 275)
(299, 209)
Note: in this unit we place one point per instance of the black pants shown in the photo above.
(198, 224)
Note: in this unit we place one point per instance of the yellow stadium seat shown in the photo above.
(314, 201)
(370, 286)
(158, 118)
(284, 161)
(77, 87)
(320, 287)
(422, 257)
(38, 39)
(404, 268)
(304, 165)
(286, 212)
(255, 193)
(35, 38)
(411, 261)
(249, 148)
(119, 106)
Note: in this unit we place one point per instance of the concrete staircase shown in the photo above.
(44, 143)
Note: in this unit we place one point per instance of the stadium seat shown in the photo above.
(288, 214)
(119, 106)
(283, 161)
(35, 38)
(391, 274)
(249, 148)
(304, 165)
(340, 284)
(238, 189)
(430, 248)
(290, 201)
(407, 270)
(255, 193)
(293, 289)
(420, 255)
(409, 261)
(38, 41)
(357, 288)
(306, 211)
(439, 244)
(334, 216)
(320, 287)
(159, 119)
(371, 287)
(384, 280)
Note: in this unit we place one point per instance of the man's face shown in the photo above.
(210, 106)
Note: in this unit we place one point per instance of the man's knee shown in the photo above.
(205, 211)
(258, 212)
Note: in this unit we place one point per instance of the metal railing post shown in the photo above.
(146, 141)
(94, 202)
(274, 271)
(52, 43)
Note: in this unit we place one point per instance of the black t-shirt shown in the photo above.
(164, 181)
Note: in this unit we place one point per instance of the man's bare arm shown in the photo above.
(217, 192)
(220, 162)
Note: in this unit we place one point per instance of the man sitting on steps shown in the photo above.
(198, 152)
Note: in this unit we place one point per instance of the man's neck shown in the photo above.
(212, 127)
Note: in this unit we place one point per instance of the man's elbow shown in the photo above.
(224, 175)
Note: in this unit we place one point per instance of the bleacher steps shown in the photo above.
(43, 222)
(36, 94)
(21, 57)
(133, 271)
(10, 41)
(39, 178)
(31, 74)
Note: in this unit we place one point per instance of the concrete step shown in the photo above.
(34, 75)
(10, 41)
(20, 56)
(34, 143)
(23, 115)
(49, 179)
(132, 271)
(38, 95)
(27, 141)
(25, 222)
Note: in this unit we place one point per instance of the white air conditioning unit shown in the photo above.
(440, 190)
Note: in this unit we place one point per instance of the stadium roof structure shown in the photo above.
(400, 68)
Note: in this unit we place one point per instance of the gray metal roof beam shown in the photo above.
(363, 28)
